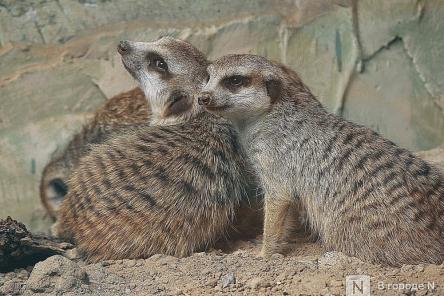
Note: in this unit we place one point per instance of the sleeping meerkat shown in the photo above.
(363, 195)
(125, 109)
(172, 187)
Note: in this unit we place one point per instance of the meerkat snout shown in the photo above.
(124, 47)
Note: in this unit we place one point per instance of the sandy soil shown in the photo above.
(307, 270)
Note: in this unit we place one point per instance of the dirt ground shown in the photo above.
(308, 270)
(234, 268)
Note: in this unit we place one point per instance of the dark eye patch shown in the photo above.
(235, 82)
(59, 187)
(160, 64)
(157, 62)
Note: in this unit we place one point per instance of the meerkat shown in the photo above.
(126, 109)
(172, 186)
(363, 195)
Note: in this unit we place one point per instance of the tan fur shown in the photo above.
(125, 109)
(150, 191)
(172, 188)
(363, 195)
(275, 231)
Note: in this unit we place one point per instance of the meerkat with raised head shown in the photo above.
(123, 110)
(363, 195)
(172, 187)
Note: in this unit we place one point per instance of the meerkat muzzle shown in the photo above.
(211, 105)
(124, 47)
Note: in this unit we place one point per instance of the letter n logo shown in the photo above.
(357, 285)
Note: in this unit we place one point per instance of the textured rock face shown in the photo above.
(57, 275)
(375, 62)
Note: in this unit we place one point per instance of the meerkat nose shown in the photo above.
(124, 47)
(204, 99)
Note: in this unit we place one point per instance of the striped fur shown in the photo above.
(170, 190)
(363, 195)
(173, 186)
(125, 109)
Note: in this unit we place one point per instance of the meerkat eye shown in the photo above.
(156, 62)
(160, 64)
(235, 81)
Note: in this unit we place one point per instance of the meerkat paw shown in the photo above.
(268, 251)
(265, 254)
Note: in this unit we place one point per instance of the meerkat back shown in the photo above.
(170, 190)
(125, 109)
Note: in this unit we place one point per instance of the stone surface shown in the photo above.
(380, 21)
(422, 40)
(378, 63)
(323, 52)
(434, 156)
(402, 111)
(56, 274)
(11, 287)
(228, 279)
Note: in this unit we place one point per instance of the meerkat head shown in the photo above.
(243, 87)
(170, 72)
(53, 186)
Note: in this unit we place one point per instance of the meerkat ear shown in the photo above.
(274, 88)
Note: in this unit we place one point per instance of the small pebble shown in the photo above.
(277, 256)
(228, 279)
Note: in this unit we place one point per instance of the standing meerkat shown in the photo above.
(363, 195)
(172, 187)
(126, 109)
